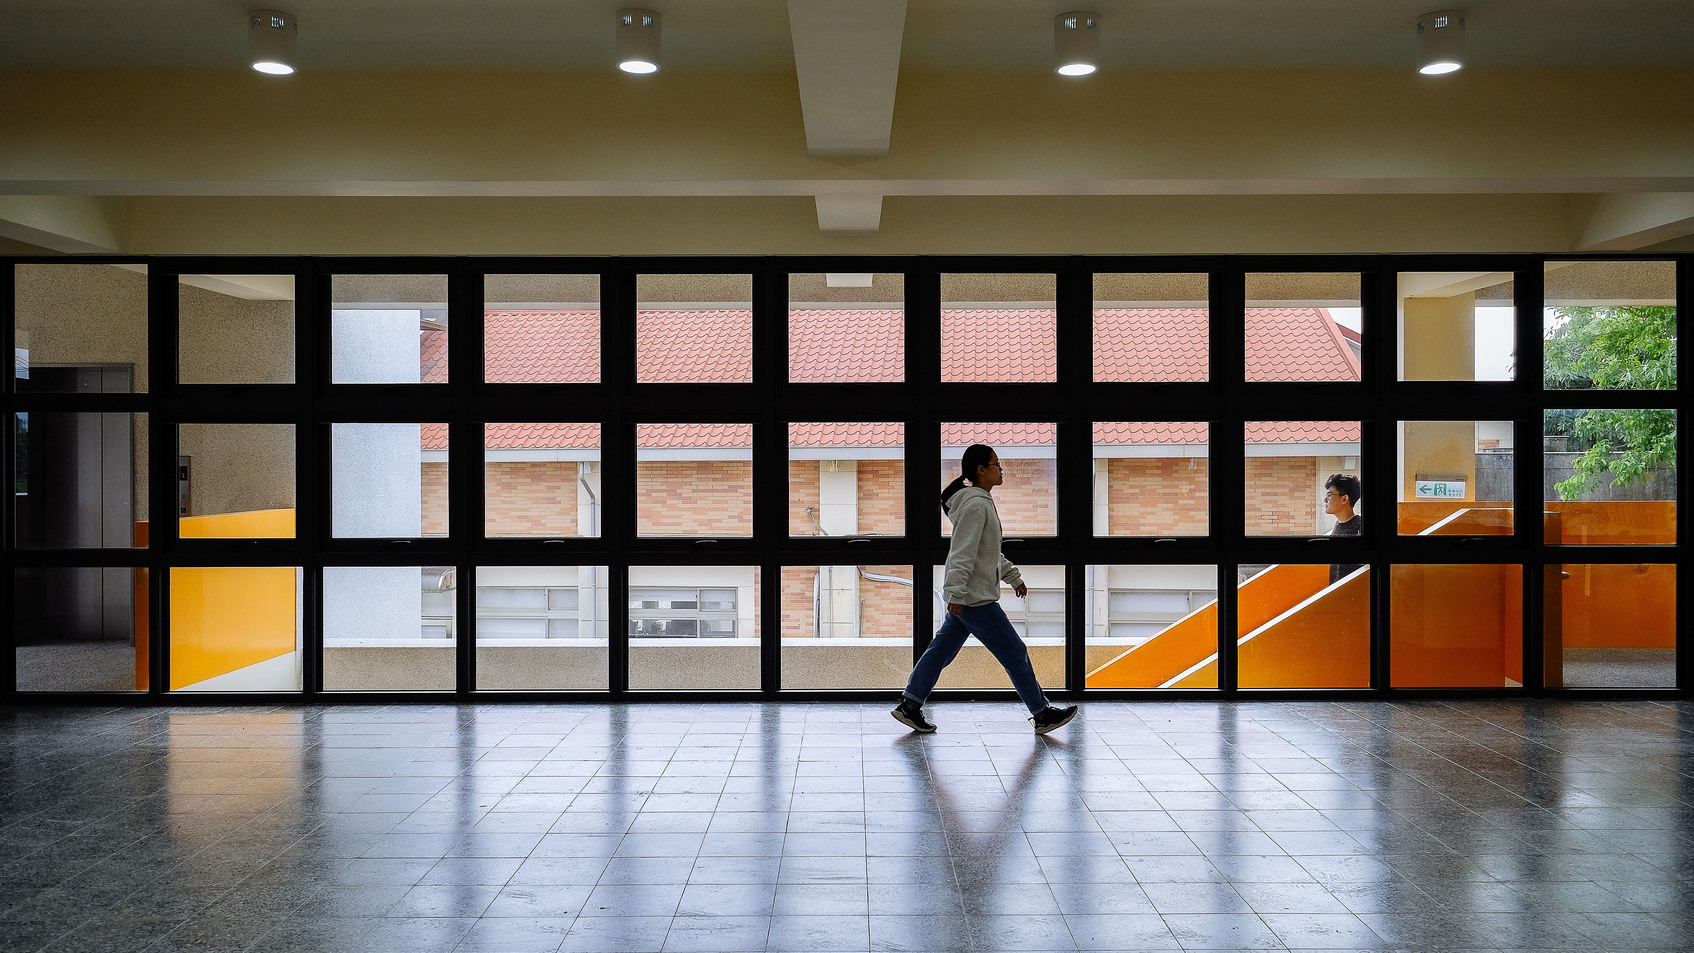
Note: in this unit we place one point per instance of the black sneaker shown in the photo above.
(910, 714)
(1049, 718)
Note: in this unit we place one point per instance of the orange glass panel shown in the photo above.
(1456, 626)
(1611, 625)
(1297, 629)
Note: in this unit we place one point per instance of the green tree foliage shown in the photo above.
(1618, 348)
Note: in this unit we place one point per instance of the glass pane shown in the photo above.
(235, 481)
(1152, 479)
(235, 629)
(80, 480)
(389, 628)
(81, 329)
(1609, 476)
(388, 480)
(846, 479)
(235, 329)
(1455, 478)
(694, 479)
(1456, 626)
(693, 628)
(1303, 327)
(1457, 326)
(388, 329)
(541, 329)
(846, 626)
(1028, 500)
(1042, 631)
(1151, 327)
(1610, 325)
(846, 328)
(694, 329)
(1152, 627)
(999, 329)
(541, 628)
(541, 479)
(1610, 626)
(1288, 464)
(81, 629)
(1304, 626)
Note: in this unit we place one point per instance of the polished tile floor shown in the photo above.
(1478, 825)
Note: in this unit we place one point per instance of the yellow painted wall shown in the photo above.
(254, 524)
(224, 619)
(1438, 336)
(1437, 448)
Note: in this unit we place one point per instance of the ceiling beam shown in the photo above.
(849, 214)
(1628, 221)
(847, 58)
(74, 224)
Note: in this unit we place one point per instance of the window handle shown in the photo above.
(1318, 539)
(855, 542)
(701, 542)
(1165, 540)
(1012, 541)
(399, 543)
(552, 542)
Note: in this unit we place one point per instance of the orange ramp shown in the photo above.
(1176, 656)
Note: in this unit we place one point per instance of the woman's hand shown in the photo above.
(1021, 589)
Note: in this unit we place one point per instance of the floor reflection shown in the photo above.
(816, 827)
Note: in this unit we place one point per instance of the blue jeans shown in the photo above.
(990, 626)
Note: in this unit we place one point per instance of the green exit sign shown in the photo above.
(1440, 489)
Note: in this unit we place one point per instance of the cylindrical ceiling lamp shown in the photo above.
(1441, 42)
(270, 41)
(638, 41)
(1076, 38)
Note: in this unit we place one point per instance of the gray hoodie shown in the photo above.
(974, 563)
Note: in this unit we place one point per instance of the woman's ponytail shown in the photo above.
(976, 456)
(952, 488)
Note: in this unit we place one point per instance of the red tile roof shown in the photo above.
(687, 347)
(999, 346)
(1150, 344)
(1170, 344)
(542, 347)
(1297, 344)
(846, 346)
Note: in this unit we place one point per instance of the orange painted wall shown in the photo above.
(1455, 626)
(223, 619)
(1623, 523)
(1622, 606)
(253, 524)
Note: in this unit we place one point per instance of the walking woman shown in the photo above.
(971, 587)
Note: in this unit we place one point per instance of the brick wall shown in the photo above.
(694, 497)
(1282, 495)
(1028, 502)
(882, 497)
(886, 606)
(532, 498)
(802, 492)
(1158, 496)
(435, 499)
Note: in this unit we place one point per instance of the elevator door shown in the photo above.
(75, 490)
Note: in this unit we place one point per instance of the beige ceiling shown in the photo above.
(753, 35)
(851, 126)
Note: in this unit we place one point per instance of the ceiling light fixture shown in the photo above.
(270, 41)
(638, 41)
(1076, 37)
(1441, 42)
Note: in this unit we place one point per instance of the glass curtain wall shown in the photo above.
(719, 477)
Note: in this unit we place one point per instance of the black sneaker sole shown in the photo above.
(1041, 729)
(916, 726)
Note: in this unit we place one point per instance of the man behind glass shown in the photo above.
(1341, 494)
